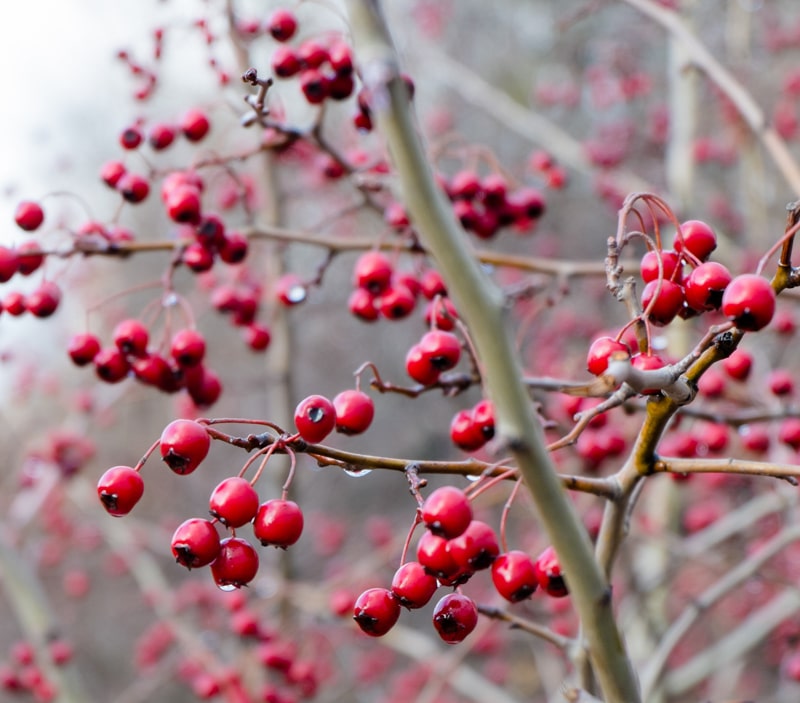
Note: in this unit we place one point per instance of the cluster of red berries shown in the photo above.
(194, 125)
(241, 303)
(23, 675)
(436, 352)
(543, 163)
(381, 291)
(452, 549)
(129, 355)
(350, 413)
(234, 503)
(486, 205)
(472, 428)
(325, 71)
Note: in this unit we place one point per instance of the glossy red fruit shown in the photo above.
(111, 365)
(667, 301)
(161, 136)
(9, 263)
(257, 336)
(483, 417)
(195, 543)
(285, 62)
(188, 348)
(233, 248)
(315, 85)
(203, 385)
(282, 24)
(447, 512)
(376, 611)
(397, 302)
(131, 337)
(413, 586)
(433, 554)
(183, 205)
(465, 433)
(670, 262)
(278, 523)
(514, 575)
(373, 271)
(454, 617)
(29, 258)
(133, 187)
(780, 382)
(83, 348)
(600, 352)
(698, 239)
(442, 349)
(236, 565)
(29, 215)
(183, 445)
(315, 418)
(154, 370)
(354, 412)
(548, 573)
(361, 303)
(14, 303)
(120, 489)
(290, 290)
(44, 300)
(705, 285)
(340, 57)
(738, 364)
(312, 54)
(111, 172)
(475, 548)
(648, 362)
(195, 125)
(234, 502)
(749, 301)
(198, 257)
(130, 138)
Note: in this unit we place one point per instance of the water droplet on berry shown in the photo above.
(169, 300)
(296, 294)
(472, 477)
(357, 473)
(227, 587)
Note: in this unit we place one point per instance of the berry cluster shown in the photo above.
(129, 354)
(22, 674)
(324, 71)
(452, 549)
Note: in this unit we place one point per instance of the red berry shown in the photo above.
(111, 365)
(131, 337)
(195, 125)
(666, 301)
(465, 433)
(44, 301)
(781, 382)
(153, 370)
(133, 187)
(670, 262)
(234, 502)
(600, 351)
(198, 257)
(648, 362)
(9, 263)
(233, 248)
(257, 337)
(278, 523)
(285, 62)
(236, 565)
(183, 205)
(203, 385)
(210, 231)
(290, 290)
(434, 555)
(354, 412)
(442, 349)
(447, 512)
(130, 138)
(183, 445)
(475, 548)
(111, 172)
(361, 303)
(548, 573)
(514, 575)
(454, 617)
(315, 85)
(120, 489)
(29, 215)
(282, 25)
(161, 136)
(315, 418)
(373, 271)
(29, 258)
(698, 239)
(464, 185)
(413, 586)
(738, 364)
(376, 611)
(432, 284)
(195, 543)
(340, 58)
(397, 302)
(188, 348)
(312, 54)
(749, 301)
(441, 313)
(83, 348)
(705, 285)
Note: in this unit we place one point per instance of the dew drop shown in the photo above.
(296, 294)
(357, 473)
(227, 587)
(473, 477)
(169, 300)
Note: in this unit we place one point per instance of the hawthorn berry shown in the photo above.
(29, 215)
(285, 62)
(447, 512)
(153, 370)
(195, 125)
(361, 303)
(670, 263)
(203, 385)
(749, 301)
(111, 172)
(376, 611)
(183, 205)
(233, 248)
(373, 271)
(434, 555)
(111, 365)
(282, 25)
(198, 257)
(44, 301)
(9, 263)
(600, 352)
(397, 302)
(442, 349)
(83, 348)
(548, 573)
(315, 85)
(315, 418)
(697, 238)
(312, 54)
(290, 290)
(278, 523)
(120, 489)
(29, 258)
(161, 136)
(705, 285)
(475, 548)
(195, 543)
(188, 348)
(183, 445)
(234, 502)
(133, 187)
(413, 586)
(454, 617)
(131, 337)
(465, 432)
(130, 138)
(354, 412)
(236, 564)
(257, 337)
(514, 575)
(666, 299)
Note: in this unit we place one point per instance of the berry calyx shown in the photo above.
(195, 543)
(454, 617)
(514, 575)
(315, 418)
(278, 523)
(234, 502)
(749, 301)
(447, 512)
(354, 412)
(183, 445)
(120, 489)
(236, 565)
(376, 611)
